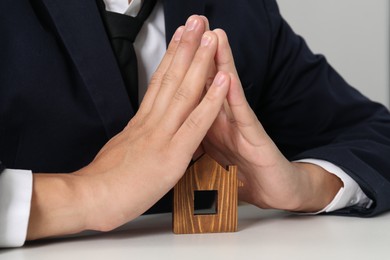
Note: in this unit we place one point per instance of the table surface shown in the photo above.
(262, 234)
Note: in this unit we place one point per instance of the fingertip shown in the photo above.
(192, 17)
(222, 79)
(233, 77)
(223, 42)
(221, 34)
(209, 38)
(204, 19)
(235, 82)
(206, 22)
(178, 34)
(198, 20)
(224, 57)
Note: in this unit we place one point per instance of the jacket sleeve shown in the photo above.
(311, 112)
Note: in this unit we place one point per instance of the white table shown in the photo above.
(262, 235)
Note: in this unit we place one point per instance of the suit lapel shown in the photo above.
(177, 11)
(79, 26)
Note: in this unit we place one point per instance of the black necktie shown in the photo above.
(122, 30)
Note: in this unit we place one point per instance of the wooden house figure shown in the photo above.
(205, 199)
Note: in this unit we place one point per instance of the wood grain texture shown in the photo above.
(206, 174)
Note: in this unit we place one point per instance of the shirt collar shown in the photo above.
(123, 7)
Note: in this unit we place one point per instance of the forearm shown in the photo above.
(58, 206)
(90, 199)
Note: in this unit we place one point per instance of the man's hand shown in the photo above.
(269, 179)
(143, 162)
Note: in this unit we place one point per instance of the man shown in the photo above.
(303, 139)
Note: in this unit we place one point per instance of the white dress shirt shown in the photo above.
(16, 185)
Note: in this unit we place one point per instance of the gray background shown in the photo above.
(352, 34)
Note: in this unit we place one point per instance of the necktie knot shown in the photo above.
(121, 26)
(127, 27)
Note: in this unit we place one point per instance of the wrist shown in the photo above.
(108, 201)
(57, 206)
(93, 195)
(318, 187)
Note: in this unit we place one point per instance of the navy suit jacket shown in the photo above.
(62, 96)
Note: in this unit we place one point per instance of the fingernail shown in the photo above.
(178, 34)
(206, 39)
(220, 79)
(191, 24)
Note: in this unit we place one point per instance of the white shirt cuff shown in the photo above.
(349, 195)
(15, 202)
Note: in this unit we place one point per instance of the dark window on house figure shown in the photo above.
(205, 202)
